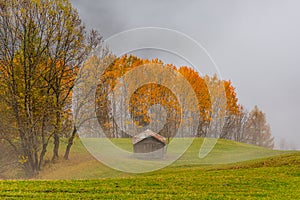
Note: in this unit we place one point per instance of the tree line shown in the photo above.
(238, 124)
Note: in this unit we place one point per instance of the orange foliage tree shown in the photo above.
(203, 96)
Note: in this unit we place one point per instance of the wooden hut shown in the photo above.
(149, 145)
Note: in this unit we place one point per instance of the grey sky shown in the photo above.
(255, 43)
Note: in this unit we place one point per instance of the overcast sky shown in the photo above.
(255, 43)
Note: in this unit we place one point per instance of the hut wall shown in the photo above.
(149, 145)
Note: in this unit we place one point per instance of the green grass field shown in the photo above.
(246, 172)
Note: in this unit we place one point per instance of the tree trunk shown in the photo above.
(42, 155)
(31, 166)
(70, 143)
(56, 147)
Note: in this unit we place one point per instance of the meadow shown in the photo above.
(236, 171)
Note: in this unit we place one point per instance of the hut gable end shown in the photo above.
(149, 142)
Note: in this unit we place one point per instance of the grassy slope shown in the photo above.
(275, 177)
(83, 166)
(272, 178)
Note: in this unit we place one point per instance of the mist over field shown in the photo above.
(255, 44)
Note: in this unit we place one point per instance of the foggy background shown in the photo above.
(255, 43)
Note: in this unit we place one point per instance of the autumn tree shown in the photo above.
(204, 99)
(240, 119)
(232, 111)
(155, 94)
(42, 45)
(106, 109)
(257, 130)
(219, 105)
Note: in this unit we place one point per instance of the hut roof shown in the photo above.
(147, 134)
